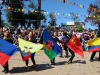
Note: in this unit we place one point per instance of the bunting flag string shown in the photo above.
(25, 10)
(91, 8)
(55, 20)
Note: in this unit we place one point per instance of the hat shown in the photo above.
(5, 29)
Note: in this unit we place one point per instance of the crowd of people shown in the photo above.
(12, 34)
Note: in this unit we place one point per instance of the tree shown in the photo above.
(79, 25)
(52, 22)
(76, 20)
(34, 17)
(74, 17)
(11, 15)
(94, 12)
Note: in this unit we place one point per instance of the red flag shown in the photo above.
(83, 6)
(74, 3)
(75, 45)
(64, 1)
(56, 0)
(67, 2)
(77, 5)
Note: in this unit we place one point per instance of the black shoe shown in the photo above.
(26, 68)
(61, 56)
(53, 63)
(3, 70)
(91, 60)
(69, 62)
(6, 72)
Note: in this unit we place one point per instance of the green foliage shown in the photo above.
(96, 20)
(34, 16)
(79, 25)
(52, 22)
(14, 14)
(74, 17)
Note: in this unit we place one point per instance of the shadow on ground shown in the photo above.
(60, 63)
(79, 61)
(39, 67)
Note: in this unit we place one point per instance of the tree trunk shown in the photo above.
(39, 9)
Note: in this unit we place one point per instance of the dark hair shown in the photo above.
(53, 33)
(8, 35)
(64, 34)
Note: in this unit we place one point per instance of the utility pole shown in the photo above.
(39, 9)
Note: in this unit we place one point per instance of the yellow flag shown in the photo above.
(94, 42)
(31, 10)
(94, 9)
(22, 9)
(88, 7)
(71, 3)
(29, 46)
(8, 7)
(80, 5)
(60, 0)
(55, 13)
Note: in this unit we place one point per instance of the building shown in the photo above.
(70, 25)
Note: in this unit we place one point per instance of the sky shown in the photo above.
(60, 7)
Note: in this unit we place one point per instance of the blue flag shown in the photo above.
(51, 48)
(6, 51)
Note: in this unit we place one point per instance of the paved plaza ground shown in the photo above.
(80, 66)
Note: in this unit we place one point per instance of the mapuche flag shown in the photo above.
(28, 49)
(51, 49)
(6, 51)
(75, 45)
(94, 45)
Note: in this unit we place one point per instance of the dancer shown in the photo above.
(7, 38)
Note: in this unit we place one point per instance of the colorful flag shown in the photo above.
(77, 5)
(80, 5)
(67, 2)
(94, 45)
(75, 45)
(51, 49)
(71, 3)
(60, 0)
(83, 6)
(27, 49)
(74, 3)
(6, 51)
